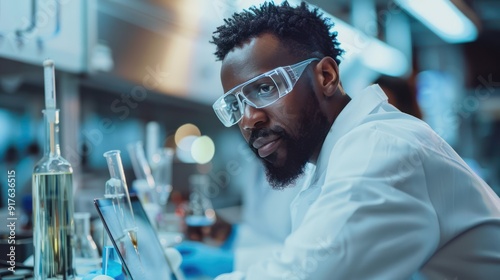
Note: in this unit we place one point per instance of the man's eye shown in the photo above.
(266, 90)
(231, 103)
(234, 106)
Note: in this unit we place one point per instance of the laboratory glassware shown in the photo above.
(163, 176)
(152, 146)
(144, 177)
(52, 197)
(85, 249)
(200, 212)
(117, 190)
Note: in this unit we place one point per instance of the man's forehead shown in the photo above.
(255, 56)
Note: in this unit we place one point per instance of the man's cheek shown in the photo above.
(286, 112)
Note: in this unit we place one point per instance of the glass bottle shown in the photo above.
(86, 254)
(52, 199)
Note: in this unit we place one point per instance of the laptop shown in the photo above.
(149, 262)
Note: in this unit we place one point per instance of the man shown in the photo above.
(388, 199)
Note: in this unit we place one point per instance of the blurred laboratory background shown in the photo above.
(134, 72)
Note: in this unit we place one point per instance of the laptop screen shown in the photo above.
(149, 261)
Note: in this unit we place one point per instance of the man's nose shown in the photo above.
(252, 117)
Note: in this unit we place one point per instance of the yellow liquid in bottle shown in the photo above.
(53, 226)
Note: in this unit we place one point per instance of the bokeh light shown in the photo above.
(203, 149)
(183, 150)
(184, 131)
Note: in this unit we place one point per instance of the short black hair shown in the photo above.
(305, 32)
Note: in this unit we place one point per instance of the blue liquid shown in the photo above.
(199, 221)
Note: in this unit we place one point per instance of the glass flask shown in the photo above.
(52, 198)
(111, 263)
(200, 212)
(85, 249)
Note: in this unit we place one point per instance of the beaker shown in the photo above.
(85, 249)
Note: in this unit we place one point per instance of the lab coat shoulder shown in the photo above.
(384, 147)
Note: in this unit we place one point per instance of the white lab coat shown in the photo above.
(389, 199)
(266, 219)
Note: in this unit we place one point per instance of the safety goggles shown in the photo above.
(258, 92)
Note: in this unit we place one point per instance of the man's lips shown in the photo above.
(266, 146)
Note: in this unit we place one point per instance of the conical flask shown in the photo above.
(85, 249)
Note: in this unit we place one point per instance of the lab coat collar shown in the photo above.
(361, 105)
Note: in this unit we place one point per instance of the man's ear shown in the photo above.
(327, 72)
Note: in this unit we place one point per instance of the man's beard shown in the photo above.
(312, 131)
